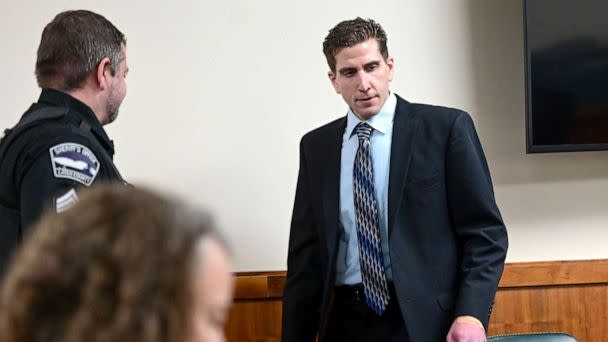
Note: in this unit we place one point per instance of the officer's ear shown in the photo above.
(103, 73)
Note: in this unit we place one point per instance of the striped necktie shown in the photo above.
(368, 227)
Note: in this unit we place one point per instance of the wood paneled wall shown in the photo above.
(566, 296)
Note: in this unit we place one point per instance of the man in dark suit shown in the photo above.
(395, 233)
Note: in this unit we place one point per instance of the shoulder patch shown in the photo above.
(74, 161)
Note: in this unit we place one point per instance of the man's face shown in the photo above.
(362, 77)
(118, 88)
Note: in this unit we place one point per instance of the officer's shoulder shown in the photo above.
(48, 129)
(49, 133)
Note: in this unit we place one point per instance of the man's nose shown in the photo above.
(364, 85)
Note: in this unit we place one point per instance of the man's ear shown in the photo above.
(103, 73)
(390, 63)
(332, 79)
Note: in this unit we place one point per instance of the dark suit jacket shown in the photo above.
(447, 240)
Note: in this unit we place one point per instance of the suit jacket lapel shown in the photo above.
(331, 182)
(404, 133)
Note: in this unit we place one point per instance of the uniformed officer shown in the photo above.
(59, 145)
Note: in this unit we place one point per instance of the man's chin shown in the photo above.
(368, 112)
(112, 116)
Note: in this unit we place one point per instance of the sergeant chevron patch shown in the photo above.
(64, 202)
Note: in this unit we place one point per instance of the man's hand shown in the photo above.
(466, 329)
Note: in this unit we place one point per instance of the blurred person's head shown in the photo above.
(84, 54)
(123, 264)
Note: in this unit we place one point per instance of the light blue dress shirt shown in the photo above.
(348, 270)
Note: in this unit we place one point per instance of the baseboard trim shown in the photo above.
(269, 285)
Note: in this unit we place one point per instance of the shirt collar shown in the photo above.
(56, 97)
(59, 98)
(380, 122)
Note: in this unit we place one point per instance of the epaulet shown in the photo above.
(29, 120)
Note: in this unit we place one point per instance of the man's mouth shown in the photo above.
(366, 99)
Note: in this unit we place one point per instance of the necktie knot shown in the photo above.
(363, 131)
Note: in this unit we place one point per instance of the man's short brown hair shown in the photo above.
(72, 45)
(349, 33)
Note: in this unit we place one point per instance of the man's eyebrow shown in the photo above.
(345, 69)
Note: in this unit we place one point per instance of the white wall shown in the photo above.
(221, 92)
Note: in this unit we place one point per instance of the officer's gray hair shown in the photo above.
(72, 45)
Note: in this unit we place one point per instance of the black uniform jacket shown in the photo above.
(57, 147)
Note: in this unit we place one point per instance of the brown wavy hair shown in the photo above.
(115, 267)
(349, 33)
